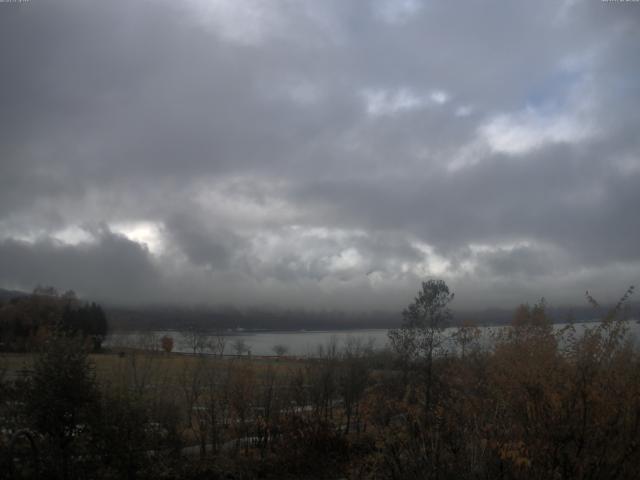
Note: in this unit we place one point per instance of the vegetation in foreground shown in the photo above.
(535, 404)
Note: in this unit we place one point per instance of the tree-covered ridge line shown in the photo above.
(27, 321)
(175, 317)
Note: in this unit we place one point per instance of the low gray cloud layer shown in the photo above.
(323, 154)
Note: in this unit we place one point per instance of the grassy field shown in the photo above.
(114, 367)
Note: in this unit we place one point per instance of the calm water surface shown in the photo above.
(299, 343)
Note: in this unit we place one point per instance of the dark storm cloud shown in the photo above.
(111, 267)
(521, 261)
(209, 245)
(319, 152)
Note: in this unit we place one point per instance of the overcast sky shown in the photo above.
(321, 154)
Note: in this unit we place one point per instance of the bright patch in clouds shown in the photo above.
(517, 134)
(381, 101)
(73, 235)
(397, 11)
(522, 132)
(145, 233)
(348, 259)
(433, 263)
(242, 21)
(440, 97)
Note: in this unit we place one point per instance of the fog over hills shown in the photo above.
(219, 317)
(211, 319)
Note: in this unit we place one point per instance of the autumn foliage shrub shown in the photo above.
(308, 445)
(541, 403)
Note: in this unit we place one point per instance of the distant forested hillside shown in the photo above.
(28, 320)
(170, 317)
(159, 318)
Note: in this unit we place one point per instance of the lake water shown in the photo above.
(298, 343)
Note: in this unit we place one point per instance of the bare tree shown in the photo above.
(239, 346)
(466, 336)
(139, 368)
(421, 333)
(280, 349)
(218, 342)
(322, 375)
(193, 385)
(354, 378)
(268, 406)
(216, 401)
(195, 338)
(241, 399)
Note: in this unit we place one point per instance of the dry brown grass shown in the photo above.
(110, 367)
